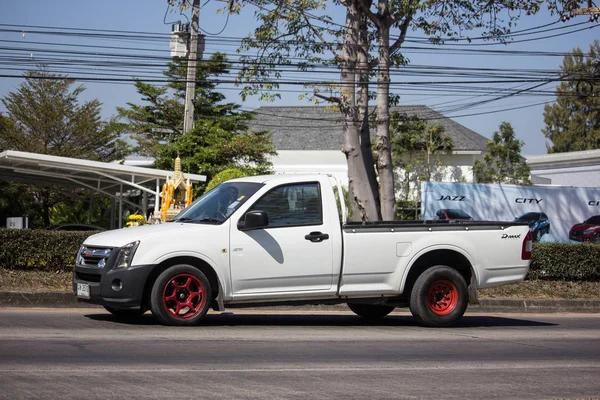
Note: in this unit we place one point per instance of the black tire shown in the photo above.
(181, 295)
(125, 313)
(370, 311)
(439, 297)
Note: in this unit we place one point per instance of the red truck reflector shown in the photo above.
(527, 247)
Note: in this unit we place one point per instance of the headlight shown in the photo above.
(126, 253)
(588, 231)
(79, 258)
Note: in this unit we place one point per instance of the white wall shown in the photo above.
(458, 166)
(331, 162)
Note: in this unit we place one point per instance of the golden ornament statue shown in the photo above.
(176, 193)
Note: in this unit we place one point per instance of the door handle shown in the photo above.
(316, 237)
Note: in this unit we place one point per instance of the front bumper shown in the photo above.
(117, 288)
(582, 237)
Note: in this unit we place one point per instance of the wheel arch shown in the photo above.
(202, 265)
(449, 256)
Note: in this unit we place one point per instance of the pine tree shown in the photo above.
(573, 122)
(45, 116)
(220, 138)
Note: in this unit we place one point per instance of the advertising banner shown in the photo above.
(554, 214)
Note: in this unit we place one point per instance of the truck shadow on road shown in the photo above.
(283, 319)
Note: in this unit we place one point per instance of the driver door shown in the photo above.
(278, 258)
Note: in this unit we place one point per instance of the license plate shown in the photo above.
(83, 290)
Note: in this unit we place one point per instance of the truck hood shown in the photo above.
(120, 237)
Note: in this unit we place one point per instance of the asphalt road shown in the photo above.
(86, 354)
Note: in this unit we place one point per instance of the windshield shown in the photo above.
(457, 214)
(595, 220)
(528, 217)
(218, 204)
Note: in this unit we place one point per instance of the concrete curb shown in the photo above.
(68, 300)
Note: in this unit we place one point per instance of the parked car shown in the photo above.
(450, 214)
(587, 231)
(538, 222)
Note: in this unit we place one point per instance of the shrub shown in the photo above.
(565, 262)
(42, 250)
(223, 176)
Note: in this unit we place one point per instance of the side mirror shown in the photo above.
(253, 220)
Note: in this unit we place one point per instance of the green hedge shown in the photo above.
(565, 262)
(55, 251)
(39, 249)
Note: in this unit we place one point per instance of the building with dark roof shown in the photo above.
(310, 138)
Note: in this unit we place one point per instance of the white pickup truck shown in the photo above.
(280, 239)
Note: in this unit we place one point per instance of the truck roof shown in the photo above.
(279, 178)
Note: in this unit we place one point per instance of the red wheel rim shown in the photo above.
(184, 296)
(442, 297)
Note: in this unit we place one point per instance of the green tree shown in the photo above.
(416, 147)
(220, 138)
(573, 122)
(503, 163)
(46, 116)
(365, 47)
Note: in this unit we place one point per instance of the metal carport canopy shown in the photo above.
(106, 178)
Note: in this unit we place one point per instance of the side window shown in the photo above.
(289, 205)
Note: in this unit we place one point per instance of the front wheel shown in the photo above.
(370, 311)
(439, 297)
(180, 296)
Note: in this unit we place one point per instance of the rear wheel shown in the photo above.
(370, 311)
(125, 312)
(439, 297)
(180, 296)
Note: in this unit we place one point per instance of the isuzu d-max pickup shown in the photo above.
(281, 239)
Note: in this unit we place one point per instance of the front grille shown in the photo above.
(88, 277)
(576, 233)
(94, 256)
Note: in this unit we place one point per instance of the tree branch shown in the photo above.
(399, 41)
(321, 38)
(330, 99)
(370, 14)
(403, 29)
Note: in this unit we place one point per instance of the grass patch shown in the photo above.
(35, 281)
(43, 281)
(542, 289)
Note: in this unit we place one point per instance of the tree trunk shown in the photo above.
(357, 173)
(384, 157)
(46, 206)
(363, 106)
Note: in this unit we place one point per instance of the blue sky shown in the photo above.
(147, 16)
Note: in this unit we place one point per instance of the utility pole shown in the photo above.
(190, 86)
